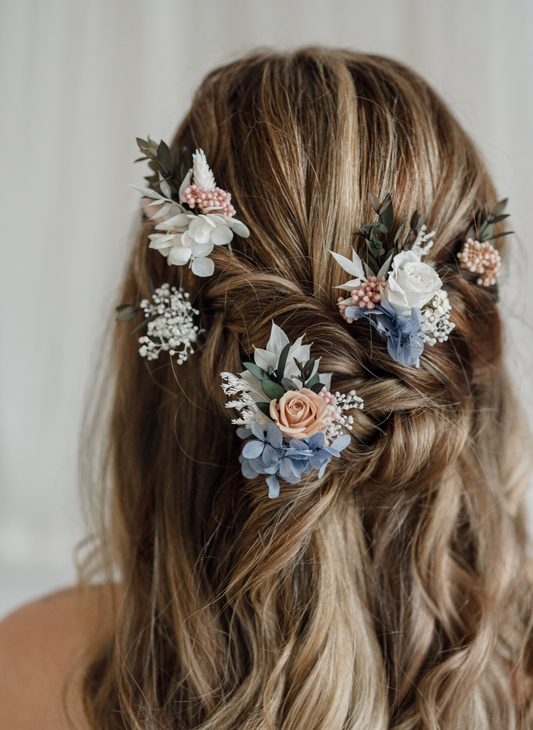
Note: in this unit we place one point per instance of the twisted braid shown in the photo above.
(393, 592)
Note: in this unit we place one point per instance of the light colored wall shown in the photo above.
(80, 79)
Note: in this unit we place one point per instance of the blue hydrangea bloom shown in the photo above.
(402, 333)
(270, 455)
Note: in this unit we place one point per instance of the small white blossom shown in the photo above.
(435, 320)
(172, 328)
(344, 402)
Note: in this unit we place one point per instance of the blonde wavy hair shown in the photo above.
(395, 591)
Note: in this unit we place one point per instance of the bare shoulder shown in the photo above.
(41, 646)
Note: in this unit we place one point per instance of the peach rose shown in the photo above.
(299, 413)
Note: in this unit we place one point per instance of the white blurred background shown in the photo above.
(80, 79)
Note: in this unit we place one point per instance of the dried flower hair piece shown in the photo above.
(400, 295)
(192, 214)
(291, 421)
(478, 254)
(169, 323)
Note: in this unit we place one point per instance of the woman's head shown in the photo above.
(384, 593)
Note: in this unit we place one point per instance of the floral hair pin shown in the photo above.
(478, 254)
(400, 295)
(291, 422)
(169, 323)
(192, 214)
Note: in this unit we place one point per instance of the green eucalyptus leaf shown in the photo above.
(272, 390)
(500, 207)
(387, 217)
(164, 158)
(308, 368)
(126, 312)
(399, 231)
(384, 203)
(282, 362)
(256, 371)
(264, 408)
(316, 387)
(498, 218)
(143, 324)
(413, 223)
(288, 384)
(315, 380)
(142, 144)
(374, 202)
(499, 235)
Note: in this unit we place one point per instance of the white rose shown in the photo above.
(411, 283)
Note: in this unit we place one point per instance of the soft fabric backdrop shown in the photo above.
(80, 79)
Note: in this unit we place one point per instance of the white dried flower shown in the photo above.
(342, 419)
(201, 172)
(423, 242)
(172, 328)
(435, 321)
(244, 403)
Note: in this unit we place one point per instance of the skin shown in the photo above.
(40, 647)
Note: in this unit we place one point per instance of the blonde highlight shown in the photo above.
(394, 592)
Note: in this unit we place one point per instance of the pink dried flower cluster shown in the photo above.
(331, 402)
(367, 296)
(481, 258)
(208, 201)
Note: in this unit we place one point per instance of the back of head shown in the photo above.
(391, 591)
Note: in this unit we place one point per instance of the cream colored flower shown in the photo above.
(410, 283)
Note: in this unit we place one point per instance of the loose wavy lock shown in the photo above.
(394, 592)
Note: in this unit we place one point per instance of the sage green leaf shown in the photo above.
(387, 216)
(288, 384)
(282, 362)
(126, 312)
(256, 371)
(316, 387)
(374, 202)
(315, 380)
(308, 368)
(384, 203)
(399, 231)
(164, 158)
(498, 210)
(413, 223)
(498, 218)
(143, 324)
(264, 408)
(272, 390)
(499, 235)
